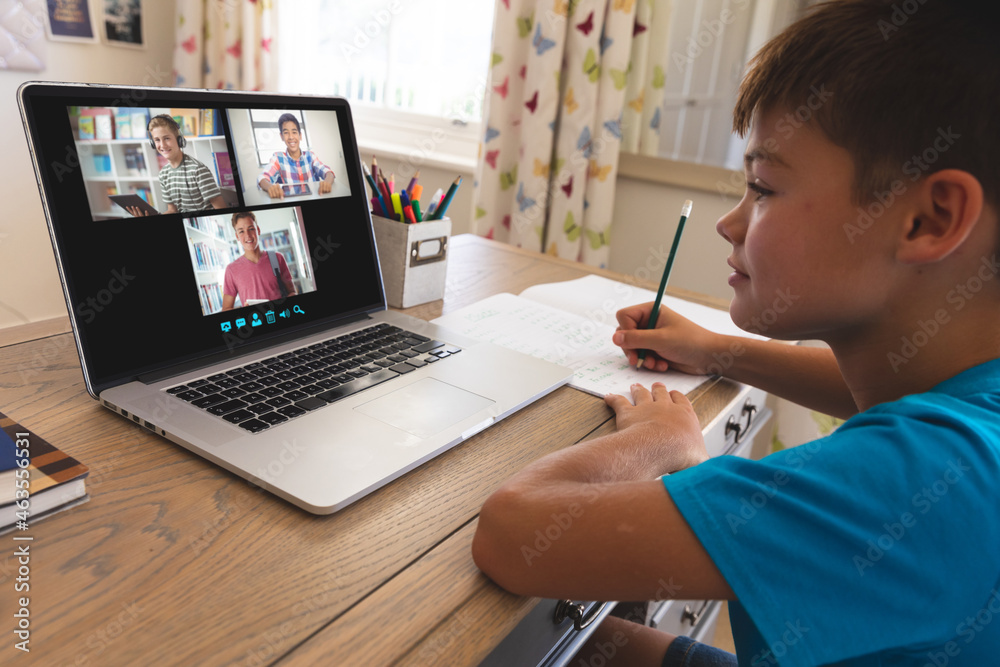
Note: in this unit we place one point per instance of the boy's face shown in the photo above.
(290, 135)
(166, 142)
(247, 233)
(797, 273)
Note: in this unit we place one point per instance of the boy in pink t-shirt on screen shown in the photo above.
(251, 277)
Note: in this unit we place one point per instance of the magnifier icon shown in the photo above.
(298, 310)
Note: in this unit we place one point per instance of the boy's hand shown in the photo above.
(664, 419)
(136, 211)
(676, 343)
(274, 191)
(326, 185)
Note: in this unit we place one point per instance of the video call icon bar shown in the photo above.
(270, 317)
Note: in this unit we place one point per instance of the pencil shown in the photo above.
(655, 314)
(442, 208)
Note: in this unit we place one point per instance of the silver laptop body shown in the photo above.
(143, 296)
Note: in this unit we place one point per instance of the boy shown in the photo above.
(294, 165)
(187, 184)
(871, 200)
(252, 277)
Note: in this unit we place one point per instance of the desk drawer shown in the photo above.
(738, 424)
(694, 618)
(539, 641)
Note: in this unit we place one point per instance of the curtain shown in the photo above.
(644, 92)
(561, 76)
(225, 44)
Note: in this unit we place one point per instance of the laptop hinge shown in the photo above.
(249, 348)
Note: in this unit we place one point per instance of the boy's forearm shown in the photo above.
(637, 453)
(625, 643)
(808, 376)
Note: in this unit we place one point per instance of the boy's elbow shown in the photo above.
(496, 544)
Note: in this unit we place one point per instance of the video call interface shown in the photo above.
(195, 229)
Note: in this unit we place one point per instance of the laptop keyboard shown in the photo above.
(274, 390)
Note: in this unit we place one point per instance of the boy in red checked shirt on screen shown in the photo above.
(294, 165)
(873, 183)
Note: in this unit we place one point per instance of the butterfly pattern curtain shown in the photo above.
(561, 76)
(225, 44)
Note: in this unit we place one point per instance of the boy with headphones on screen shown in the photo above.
(870, 222)
(187, 184)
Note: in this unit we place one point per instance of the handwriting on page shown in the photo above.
(564, 338)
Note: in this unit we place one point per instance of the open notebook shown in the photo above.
(571, 323)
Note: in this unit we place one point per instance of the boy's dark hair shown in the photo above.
(243, 214)
(907, 87)
(286, 118)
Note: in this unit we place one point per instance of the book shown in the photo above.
(56, 479)
(224, 169)
(123, 124)
(140, 119)
(571, 324)
(208, 122)
(102, 163)
(134, 159)
(103, 123)
(187, 119)
(85, 127)
(144, 192)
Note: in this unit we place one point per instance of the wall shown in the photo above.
(29, 282)
(645, 219)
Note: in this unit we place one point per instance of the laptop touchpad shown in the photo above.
(425, 407)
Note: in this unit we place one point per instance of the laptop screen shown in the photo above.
(244, 220)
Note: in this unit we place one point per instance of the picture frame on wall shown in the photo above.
(123, 25)
(70, 21)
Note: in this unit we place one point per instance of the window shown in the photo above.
(428, 57)
(710, 41)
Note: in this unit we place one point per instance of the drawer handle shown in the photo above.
(748, 412)
(693, 616)
(566, 609)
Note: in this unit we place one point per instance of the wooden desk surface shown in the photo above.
(174, 561)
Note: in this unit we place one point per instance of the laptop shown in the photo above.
(320, 396)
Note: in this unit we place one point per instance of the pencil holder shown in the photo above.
(414, 259)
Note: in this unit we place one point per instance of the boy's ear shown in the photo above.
(948, 205)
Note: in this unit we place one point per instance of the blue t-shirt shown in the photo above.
(877, 545)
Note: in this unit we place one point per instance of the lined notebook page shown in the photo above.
(580, 343)
(599, 299)
(571, 323)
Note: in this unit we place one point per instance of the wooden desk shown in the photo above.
(175, 561)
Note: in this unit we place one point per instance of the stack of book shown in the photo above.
(36, 478)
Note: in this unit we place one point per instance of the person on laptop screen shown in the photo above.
(258, 275)
(294, 165)
(187, 184)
